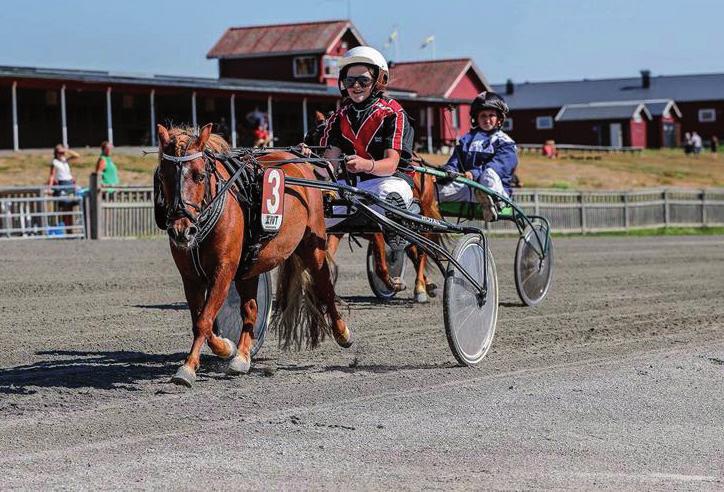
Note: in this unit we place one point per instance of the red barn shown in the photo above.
(614, 124)
(455, 81)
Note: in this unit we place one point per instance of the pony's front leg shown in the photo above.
(204, 309)
(241, 363)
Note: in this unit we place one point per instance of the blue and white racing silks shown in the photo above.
(478, 150)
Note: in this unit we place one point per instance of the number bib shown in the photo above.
(272, 199)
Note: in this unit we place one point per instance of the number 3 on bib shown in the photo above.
(272, 199)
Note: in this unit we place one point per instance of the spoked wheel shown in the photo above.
(395, 265)
(228, 321)
(470, 325)
(533, 274)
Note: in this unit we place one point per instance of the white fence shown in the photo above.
(127, 211)
(35, 213)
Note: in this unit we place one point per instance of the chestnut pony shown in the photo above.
(189, 177)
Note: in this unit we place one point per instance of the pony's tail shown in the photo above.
(298, 315)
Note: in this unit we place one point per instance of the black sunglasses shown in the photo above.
(363, 80)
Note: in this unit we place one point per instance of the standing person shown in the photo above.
(61, 180)
(105, 167)
(714, 144)
(688, 147)
(485, 154)
(696, 143)
(370, 128)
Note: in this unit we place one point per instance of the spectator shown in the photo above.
(714, 144)
(61, 181)
(105, 167)
(258, 123)
(688, 147)
(223, 129)
(696, 143)
(549, 149)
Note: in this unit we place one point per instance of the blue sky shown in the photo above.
(526, 40)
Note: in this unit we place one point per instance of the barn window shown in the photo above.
(455, 118)
(544, 122)
(707, 115)
(305, 66)
(331, 67)
(508, 124)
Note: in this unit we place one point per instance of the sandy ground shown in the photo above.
(616, 381)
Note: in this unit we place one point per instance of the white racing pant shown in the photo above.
(459, 192)
(380, 187)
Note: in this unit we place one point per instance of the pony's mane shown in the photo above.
(183, 136)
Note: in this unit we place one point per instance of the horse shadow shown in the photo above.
(387, 368)
(371, 301)
(512, 304)
(173, 306)
(106, 370)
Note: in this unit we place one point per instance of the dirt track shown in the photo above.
(616, 381)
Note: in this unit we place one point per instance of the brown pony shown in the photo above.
(188, 177)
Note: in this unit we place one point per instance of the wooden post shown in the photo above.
(703, 208)
(583, 212)
(109, 115)
(270, 116)
(16, 136)
(193, 109)
(152, 101)
(667, 217)
(428, 121)
(96, 205)
(63, 118)
(305, 117)
(232, 109)
(536, 202)
(626, 222)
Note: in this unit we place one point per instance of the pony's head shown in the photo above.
(184, 172)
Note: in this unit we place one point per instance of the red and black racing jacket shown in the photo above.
(369, 129)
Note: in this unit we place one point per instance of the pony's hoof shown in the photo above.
(344, 340)
(421, 297)
(431, 289)
(232, 348)
(185, 376)
(238, 365)
(398, 285)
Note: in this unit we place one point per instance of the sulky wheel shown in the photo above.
(395, 265)
(470, 324)
(228, 321)
(533, 274)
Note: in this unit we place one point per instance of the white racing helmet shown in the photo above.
(365, 55)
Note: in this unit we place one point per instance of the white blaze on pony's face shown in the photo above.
(357, 77)
(184, 183)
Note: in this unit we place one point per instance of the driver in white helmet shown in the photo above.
(369, 128)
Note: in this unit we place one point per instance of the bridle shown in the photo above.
(209, 210)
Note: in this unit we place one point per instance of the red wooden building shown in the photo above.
(616, 124)
(677, 104)
(286, 70)
(456, 81)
